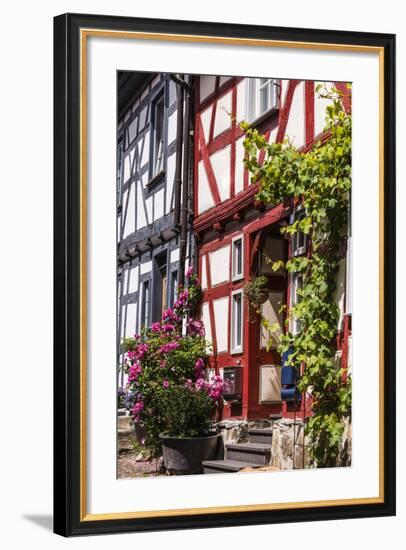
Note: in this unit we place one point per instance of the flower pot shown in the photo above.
(185, 455)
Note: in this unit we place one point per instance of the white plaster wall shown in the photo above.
(204, 196)
(239, 166)
(130, 217)
(172, 123)
(203, 278)
(295, 129)
(220, 162)
(320, 105)
(223, 114)
(146, 267)
(241, 100)
(174, 255)
(207, 85)
(131, 319)
(220, 265)
(220, 308)
(170, 176)
(133, 282)
(141, 220)
(205, 118)
(159, 197)
(206, 322)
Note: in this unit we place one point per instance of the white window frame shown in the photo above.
(145, 303)
(237, 276)
(295, 249)
(236, 348)
(295, 323)
(253, 97)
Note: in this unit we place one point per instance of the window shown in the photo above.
(262, 97)
(145, 297)
(237, 258)
(296, 298)
(174, 288)
(236, 322)
(299, 240)
(158, 136)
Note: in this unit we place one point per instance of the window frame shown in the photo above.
(153, 171)
(295, 249)
(237, 276)
(235, 349)
(253, 99)
(295, 325)
(145, 307)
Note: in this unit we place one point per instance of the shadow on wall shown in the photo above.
(42, 520)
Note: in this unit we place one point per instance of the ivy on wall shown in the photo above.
(320, 181)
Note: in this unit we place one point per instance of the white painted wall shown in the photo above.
(220, 162)
(204, 197)
(206, 322)
(223, 114)
(220, 265)
(207, 86)
(220, 308)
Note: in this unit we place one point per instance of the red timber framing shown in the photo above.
(238, 214)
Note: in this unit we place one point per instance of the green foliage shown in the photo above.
(319, 180)
(254, 291)
(187, 413)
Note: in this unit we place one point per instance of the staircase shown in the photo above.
(254, 454)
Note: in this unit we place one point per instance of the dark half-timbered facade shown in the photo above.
(236, 235)
(155, 244)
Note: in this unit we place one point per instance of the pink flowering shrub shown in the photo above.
(166, 373)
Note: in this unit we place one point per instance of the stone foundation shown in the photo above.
(290, 449)
(236, 431)
(125, 434)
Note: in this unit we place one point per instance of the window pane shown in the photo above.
(158, 142)
(237, 321)
(237, 257)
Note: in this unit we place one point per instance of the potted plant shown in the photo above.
(172, 397)
(256, 292)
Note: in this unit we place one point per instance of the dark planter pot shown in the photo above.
(185, 455)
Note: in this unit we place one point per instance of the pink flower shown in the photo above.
(137, 409)
(134, 372)
(200, 384)
(199, 367)
(167, 348)
(168, 327)
(189, 272)
(165, 384)
(156, 327)
(182, 299)
(188, 383)
(215, 388)
(162, 364)
(195, 327)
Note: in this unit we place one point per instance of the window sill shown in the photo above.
(155, 180)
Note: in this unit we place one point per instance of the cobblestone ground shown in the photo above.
(129, 467)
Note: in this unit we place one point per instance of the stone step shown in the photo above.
(226, 466)
(254, 453)
(260, 435)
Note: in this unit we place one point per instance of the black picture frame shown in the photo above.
(67, 345)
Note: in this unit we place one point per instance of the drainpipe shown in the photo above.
(185, 188)
(178, 165)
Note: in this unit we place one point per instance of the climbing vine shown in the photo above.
(318, 180)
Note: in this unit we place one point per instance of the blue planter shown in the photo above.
(288, 376)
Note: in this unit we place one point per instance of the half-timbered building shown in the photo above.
(184, 197)
(153, 226)
(236, 234)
